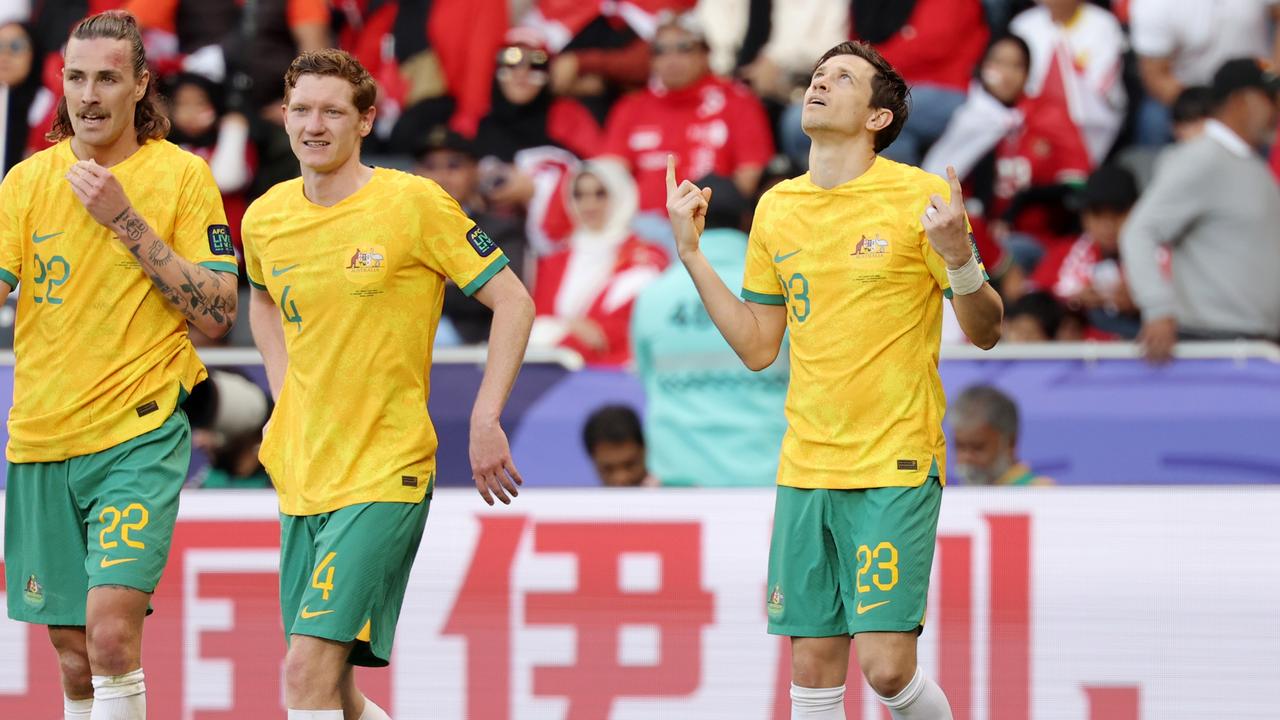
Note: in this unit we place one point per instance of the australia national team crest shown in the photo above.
(871, 246)
(33, 592)
(775, 601)
(365, 264)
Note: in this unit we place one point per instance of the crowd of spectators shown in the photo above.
(1112, 153)
(1113, 156)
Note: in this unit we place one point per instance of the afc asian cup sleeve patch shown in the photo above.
(481, 242)
(220, 240)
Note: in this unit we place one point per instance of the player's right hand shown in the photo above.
(687, 207)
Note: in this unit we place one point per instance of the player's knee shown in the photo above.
(888, 679)
(114, 647)
(76, 674)
(305, 671)
(817, 665)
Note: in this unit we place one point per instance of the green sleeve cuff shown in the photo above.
(9, 277)
(257, 285)
(222, 266)
(484, 277)
(763, 298)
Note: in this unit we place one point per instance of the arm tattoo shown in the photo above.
(190, 297)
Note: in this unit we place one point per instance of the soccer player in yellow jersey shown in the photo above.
(854, 258)
(119, 241)
(348, 266)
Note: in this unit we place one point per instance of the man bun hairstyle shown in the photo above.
(150, 120)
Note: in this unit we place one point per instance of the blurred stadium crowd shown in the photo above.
(1114, 154)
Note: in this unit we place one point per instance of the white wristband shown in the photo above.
(966, 279)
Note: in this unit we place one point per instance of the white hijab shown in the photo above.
(593, 253)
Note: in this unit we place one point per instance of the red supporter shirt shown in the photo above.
(1048, 150)
(713, 126)
(941, 43)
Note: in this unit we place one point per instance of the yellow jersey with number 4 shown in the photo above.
(863, 291)
(101, 355)
(359, 286)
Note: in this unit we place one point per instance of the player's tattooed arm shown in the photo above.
(206, 297)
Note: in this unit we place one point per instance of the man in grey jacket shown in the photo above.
(1215, 207)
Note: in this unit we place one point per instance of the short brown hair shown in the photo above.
(149, 118)
(331, 62)
(888, 90)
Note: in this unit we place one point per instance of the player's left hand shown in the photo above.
(946, 225)
(491, 465)
(99, 191)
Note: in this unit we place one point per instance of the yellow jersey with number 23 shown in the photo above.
(863, 290)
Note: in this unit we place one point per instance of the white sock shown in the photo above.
(315, 714)
(372, 711)
(76, 709)
(119, 697)
(817, 703)
(921, 699)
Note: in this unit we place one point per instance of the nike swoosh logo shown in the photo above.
(867, 608)
(108, 563)
(779, 258)
(306, 615)
(37, 238)
(277, 272)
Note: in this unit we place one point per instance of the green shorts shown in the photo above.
(343, 574)
(843, 562)
(100, 519)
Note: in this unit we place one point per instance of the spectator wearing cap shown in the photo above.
(1077, 51)
(1214, 207)
(1189, 113)
(984, 429)
(451, 160)
(711, 125)
(710, 421)
(584, 294)
(1087, 274)
(1181, 43)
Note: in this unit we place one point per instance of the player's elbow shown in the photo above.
(759, 358)
(988, 339)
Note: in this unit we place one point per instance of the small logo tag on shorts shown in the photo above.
(147, 409)
(908, 465)
(33, 592)
(775, 601)
(409, 481)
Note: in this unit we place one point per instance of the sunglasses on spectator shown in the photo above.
(515, 56)
(15, 46)
(598, 194)
(683, 47)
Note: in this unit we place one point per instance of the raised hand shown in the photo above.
(945, 224)
(100, 192)
(687, 208)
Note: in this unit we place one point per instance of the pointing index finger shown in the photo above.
(957, 194)
(671, 173)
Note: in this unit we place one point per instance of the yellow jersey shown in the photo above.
(101, 355)
(863, 290)
(359, 286)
